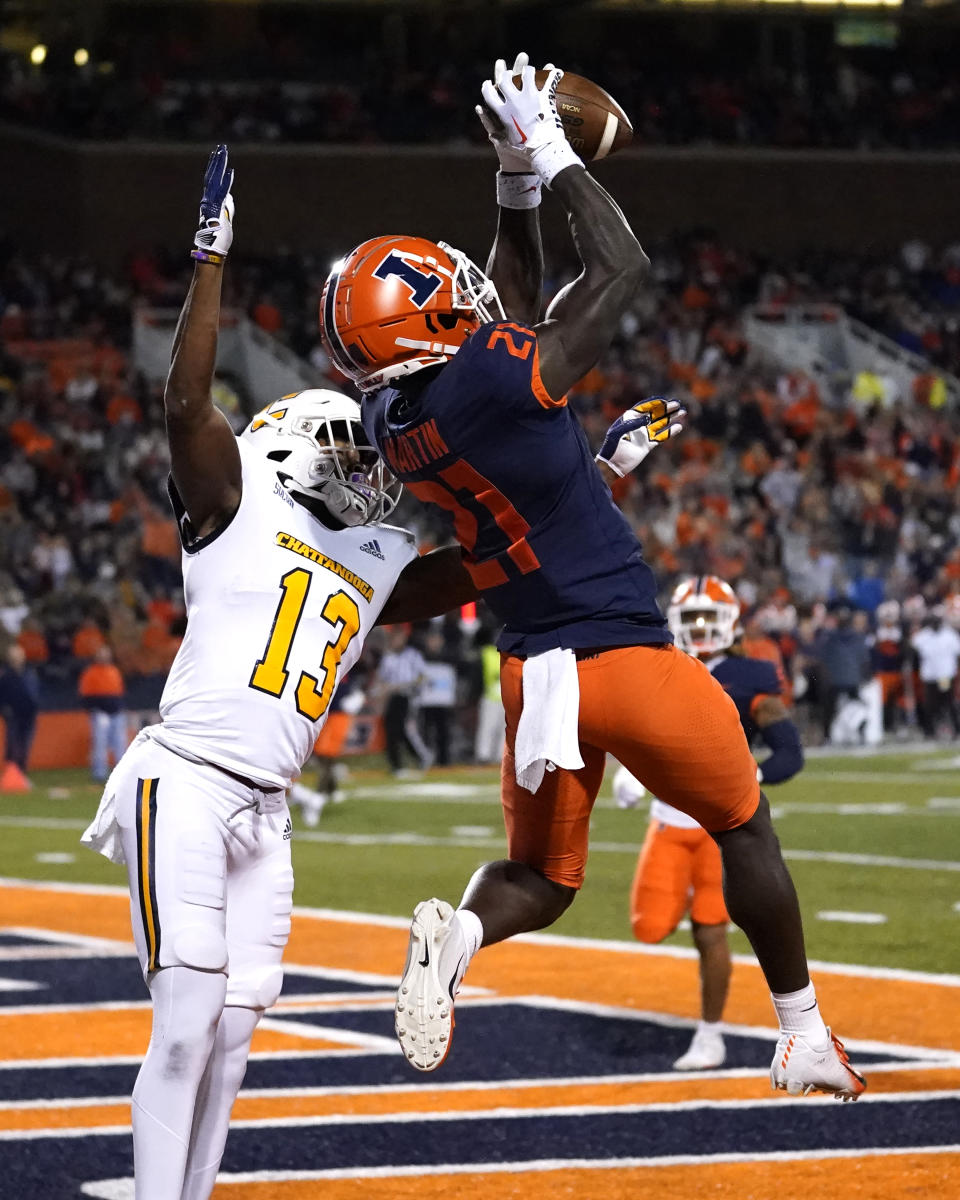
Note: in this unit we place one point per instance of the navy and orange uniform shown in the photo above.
(483, 441)
(679, 869)
(888, 655)
(557, 562)
(747, 681)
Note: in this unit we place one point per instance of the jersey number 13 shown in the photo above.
(270, 674)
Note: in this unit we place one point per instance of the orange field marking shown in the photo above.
(890, 1177)
(386, 1101)
(110, 1033)
(912, 1012)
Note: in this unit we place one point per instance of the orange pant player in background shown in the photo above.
(680, 870)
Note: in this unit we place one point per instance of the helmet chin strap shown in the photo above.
(342, 504)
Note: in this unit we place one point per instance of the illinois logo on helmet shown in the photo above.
(395, 305)
(702, 614)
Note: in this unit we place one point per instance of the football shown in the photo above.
(595, 124)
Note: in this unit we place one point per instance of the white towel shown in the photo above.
(103, 832)
(547, 735)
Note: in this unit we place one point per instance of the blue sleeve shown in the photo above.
(786, 757)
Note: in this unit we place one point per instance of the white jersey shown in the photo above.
(278, 607)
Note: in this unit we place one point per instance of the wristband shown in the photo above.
(208, 256)
(518, 191)
(552, 158)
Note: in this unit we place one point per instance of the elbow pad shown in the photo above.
(786, 756)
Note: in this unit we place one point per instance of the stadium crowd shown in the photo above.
(819, 501)
(380, 93)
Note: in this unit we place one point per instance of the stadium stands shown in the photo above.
(805, 493)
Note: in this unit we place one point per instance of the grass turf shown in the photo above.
(391, 844)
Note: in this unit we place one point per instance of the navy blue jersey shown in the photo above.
(745, 680)
(555, 558)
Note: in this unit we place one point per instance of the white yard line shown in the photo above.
(512, 1114)
(852, 918)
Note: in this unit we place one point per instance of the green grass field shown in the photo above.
(863, 835)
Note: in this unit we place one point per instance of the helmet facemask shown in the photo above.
(704, 629)
(323, 459)
(473, 292)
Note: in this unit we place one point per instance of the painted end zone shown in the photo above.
(559, 1077)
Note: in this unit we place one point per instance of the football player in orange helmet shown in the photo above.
(395, 305)
(472, 415)
(679, 869)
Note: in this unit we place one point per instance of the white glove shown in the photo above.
(511, 161)
(531, 126)
(215, 234)
(638, 431)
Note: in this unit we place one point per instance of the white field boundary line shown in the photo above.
(401, 1090)
(556, 1112)
(901, 974)
(122, 1189)
(916, 778)
(601, 847)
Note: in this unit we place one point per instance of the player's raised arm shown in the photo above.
(204, 459)
(515, 264)
(583, 318)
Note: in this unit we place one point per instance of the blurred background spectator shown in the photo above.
(102, 691)
(938, 651)
(19, 703)
(399, 677)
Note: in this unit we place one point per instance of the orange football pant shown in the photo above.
(678, 870)
(665, 718)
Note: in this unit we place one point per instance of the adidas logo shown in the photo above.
(373, 547)
(288, 830)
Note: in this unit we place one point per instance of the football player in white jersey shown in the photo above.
(287, 566)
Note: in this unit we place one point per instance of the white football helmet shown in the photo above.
(702, 614)
(315, 440)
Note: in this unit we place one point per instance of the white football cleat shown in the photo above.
(706, 1050)
(799, 1068)
(424, 1013)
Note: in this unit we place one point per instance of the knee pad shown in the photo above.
(254, 986)
(199, 946)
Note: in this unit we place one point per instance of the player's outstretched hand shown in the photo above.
(638, 431)
(215, 233)
(513, 162)
(528, 117)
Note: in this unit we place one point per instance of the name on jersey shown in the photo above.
(289, 542)
(413, 450)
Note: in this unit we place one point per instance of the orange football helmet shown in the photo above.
(395, 305)
(702, 614)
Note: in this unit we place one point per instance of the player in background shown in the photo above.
(280, 592)
(470, 411)
(888, 653)
(679, 869)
